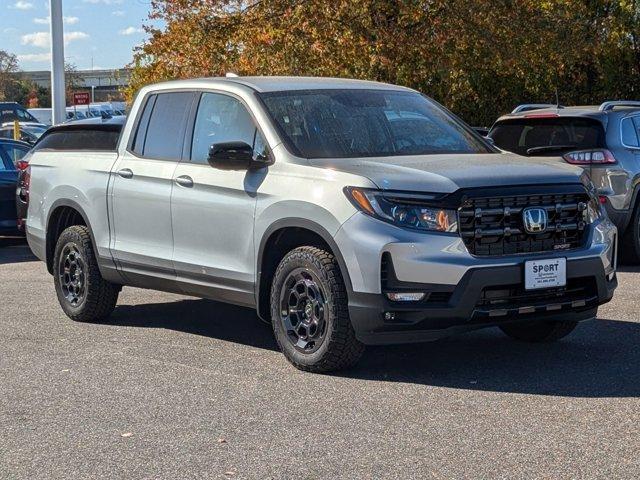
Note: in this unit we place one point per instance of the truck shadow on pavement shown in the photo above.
(199, 317)
(600, 358)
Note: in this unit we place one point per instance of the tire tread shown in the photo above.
(343, 350)
(102, 295)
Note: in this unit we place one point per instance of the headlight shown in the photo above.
(406, 212)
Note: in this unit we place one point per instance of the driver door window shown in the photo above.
(221, 119)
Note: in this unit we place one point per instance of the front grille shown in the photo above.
(494, 225)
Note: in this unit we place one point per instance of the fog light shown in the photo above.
(405, 296)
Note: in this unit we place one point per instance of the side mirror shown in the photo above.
(232, 155)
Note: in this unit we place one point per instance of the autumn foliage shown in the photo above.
(477, 57)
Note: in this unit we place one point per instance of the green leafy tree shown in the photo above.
(8, 69)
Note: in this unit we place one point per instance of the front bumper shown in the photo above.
(463, 292)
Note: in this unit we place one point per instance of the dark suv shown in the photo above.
(604, 140)
(11, 111)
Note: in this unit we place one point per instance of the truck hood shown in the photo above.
(448, 173)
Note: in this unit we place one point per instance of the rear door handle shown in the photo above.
(125, 173)
(184, 181)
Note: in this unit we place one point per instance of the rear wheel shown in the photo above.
(82, 292)
(539, 331)
(309, 312)
(631, 239)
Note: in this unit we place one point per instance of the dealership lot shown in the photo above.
(176, 387)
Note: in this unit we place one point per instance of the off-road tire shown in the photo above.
(340, 348)
(100, 297)
(539, 332)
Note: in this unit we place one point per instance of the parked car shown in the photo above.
(75, 114)
(345, 212)
(11, 155)
(72, 113)
(29, 133)
(604, 140)
(90, 111)
(11, 111)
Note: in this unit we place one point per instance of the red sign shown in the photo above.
(81, 98)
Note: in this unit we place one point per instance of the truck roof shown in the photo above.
(277, 84)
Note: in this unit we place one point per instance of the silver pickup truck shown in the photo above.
(345, 212)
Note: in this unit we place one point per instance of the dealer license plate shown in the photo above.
(545, 273)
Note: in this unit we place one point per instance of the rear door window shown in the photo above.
(548, 136)
(137, 146)
(630, 132)
(165, 133)
(81, 139)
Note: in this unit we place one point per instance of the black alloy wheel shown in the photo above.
(82, 292)
(303, 310)
(310, 312)
(72, 273)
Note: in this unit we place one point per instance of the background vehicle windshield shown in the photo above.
(546, 136)
(367, 123)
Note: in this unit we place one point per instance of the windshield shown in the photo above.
(546, 136)
(367, 123)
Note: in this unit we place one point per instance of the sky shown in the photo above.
(101, 33)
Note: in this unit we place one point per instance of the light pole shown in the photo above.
(58, 101)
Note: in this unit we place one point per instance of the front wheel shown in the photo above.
(309, 312)
(82, 292)
(539, 331)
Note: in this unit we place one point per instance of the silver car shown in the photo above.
(603, 139)
(347, 213)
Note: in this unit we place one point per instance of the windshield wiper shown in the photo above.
(549, 148)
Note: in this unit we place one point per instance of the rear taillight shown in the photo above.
(589, 157)
(25, 184)
(22, 165)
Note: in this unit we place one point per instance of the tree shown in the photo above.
(479, 57)
(8, 68)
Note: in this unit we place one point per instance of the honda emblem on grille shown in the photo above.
(535, 220)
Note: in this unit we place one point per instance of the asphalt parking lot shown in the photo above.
(175, 387)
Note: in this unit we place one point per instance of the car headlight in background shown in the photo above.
(406, 212)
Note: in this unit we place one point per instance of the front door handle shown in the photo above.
(125, 173)
(185, 181)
